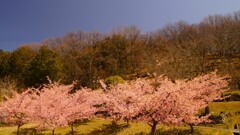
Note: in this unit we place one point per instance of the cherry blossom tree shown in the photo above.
(49, 107)
(122, 100)
(204, 89)
(15, 109)
(178, 103)
(82, 105)
(56, 107)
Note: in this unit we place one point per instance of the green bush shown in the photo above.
(232, 95)
(113, 80)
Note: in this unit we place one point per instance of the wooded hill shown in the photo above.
(178, 50)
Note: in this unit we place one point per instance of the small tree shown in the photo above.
(179, 102)
(56, 107)
(7, 85)
(204, 89)
(15, 110)
(82, 105)
(122, 100)
(113, 80)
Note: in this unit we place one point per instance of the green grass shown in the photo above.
(231, 92)
(231, 111)
(212, 131)
(226, 107)
(105, 127)
(7, 130)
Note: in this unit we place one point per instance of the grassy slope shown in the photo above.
(226, 107)
(230, 109)
(232, 92)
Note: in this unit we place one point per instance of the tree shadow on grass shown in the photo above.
(109, 129)
(173, 131)
(76, 124)
(70, 133)
(81, 122)
(33, 131)
(176, 131)
(27, 131)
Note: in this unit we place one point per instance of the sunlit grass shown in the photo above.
(105, 127)
(231, 92)
(231, 121)
(226, 107)
(212, 131)
(8, 130)
(231, 112)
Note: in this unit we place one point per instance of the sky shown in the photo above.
(31, 21)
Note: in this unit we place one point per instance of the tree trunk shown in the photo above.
(0, 94)
(35, 131)
(114, 123)
(191, 127)
(127, 122)
(154, 126)
(72, 128)
(207, 110)
(18, 129)
(53, 132)
(238, 83)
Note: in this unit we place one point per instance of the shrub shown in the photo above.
(113, 80)
(233, 97)
(7, 85)
(216, 119)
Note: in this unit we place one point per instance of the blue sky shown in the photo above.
(28, 21)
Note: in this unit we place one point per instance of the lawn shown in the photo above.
(231, 92)
(226, 107)
(105, 127)
(231, 112)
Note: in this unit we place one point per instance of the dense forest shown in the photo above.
(179, 51)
